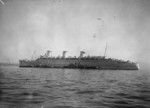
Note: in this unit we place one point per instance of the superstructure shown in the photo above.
(82, 62)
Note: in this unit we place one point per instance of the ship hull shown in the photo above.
(103, 64)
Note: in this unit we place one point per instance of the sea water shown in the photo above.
(73, 88)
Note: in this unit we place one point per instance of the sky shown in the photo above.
(28, 28)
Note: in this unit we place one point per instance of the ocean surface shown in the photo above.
(73, 88)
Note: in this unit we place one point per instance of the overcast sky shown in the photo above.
(28, 26)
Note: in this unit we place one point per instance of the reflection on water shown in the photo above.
(73, 88)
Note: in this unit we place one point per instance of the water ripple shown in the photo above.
(73, 88)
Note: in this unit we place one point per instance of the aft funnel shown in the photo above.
(64, 54)
(81, 54)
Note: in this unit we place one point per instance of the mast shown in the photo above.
(105, 50)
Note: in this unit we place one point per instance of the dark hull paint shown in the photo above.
(104, 64)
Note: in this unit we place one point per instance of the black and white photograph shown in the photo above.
(74, 53)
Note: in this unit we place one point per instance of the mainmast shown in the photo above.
(105, 50)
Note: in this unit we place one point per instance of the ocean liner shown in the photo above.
(81, 62)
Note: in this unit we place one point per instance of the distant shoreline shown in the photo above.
(9, 64)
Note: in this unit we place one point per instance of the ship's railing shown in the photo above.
(74, 58)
